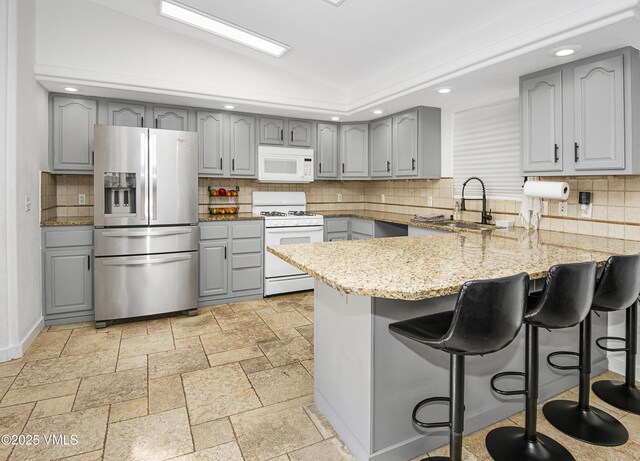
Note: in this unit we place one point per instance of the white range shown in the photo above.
(286, 221)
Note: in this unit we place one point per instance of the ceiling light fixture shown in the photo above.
(229, 106)
(204, 21)
(563, 51)
(335, 2)
(335, 119)
(444, 90)
(378, 111)
(70, 89)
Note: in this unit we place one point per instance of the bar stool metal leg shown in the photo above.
(625, 396)
(516, 443)
(456, 409)
(578, 419)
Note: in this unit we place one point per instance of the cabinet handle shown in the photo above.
(93, 157)
(88, 262)
(221, 163)
(413, 164)
(233, 164)
(555, 153)
(575, 151)
(388, 166)
(320, 167)
(291, 135)
(343, 167)
(156, 123)
(225, 252)
(141, 121)
(282, 135)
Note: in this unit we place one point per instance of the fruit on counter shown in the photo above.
(228, 193)
(222, 191)
(234, 193)
(214, 193)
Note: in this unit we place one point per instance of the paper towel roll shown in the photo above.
(547, 189)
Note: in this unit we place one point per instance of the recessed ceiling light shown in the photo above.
(335, 119)
(229, 106)
(378, 111)
(335, 2)
(565, 50)
(222, 28)
(444, 90)
(70, 89)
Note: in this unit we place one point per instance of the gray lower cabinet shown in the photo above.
(73, 121)
(242, 145)
(231, 261)
(271, 130)
(336, 229)
(125, 114)
(327, 151)
(67, 275)
(350, 228)
(361, 229)
(171, 118)
(354, 151)
(212, 130)
(381, 147)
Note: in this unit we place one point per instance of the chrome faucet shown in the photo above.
(485, 216)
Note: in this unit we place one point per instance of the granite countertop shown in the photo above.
(68, 221)
(203, 217)
(413, 268)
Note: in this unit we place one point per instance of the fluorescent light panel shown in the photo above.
(221, 28)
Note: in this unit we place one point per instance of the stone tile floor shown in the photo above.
(233, 383)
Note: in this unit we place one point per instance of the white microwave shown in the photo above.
(285, 164)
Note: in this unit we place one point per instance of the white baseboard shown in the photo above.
(617, 365)
(18, 350)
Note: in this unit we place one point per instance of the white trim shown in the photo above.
(20, 349)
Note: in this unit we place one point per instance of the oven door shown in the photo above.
(276, 267)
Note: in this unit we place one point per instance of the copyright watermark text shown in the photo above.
(39, 439)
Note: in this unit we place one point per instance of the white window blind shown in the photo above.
(486, 143)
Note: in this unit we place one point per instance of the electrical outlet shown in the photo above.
(587, 210)
(382, 198)
(27, 203)
(339, 197)
(430, 200)
(562, 209)
(82, 199)
(545, 208)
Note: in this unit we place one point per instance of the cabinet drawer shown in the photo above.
(337, 225)
(211, 232)
(356, 236)
(242, 230)
(68, 238)
(362, 226)
(246, 246)
(337, 236)
(246, 279)
(247, 260)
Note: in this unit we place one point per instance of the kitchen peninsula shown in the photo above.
(368, 381)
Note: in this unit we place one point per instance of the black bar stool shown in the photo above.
(486, 318)
(623, 276)
(578, 419)
(564, 302)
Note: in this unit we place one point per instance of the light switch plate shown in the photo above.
(587, 211)
(82, 199)
(27, 203)
(562, 209)
(339, 197)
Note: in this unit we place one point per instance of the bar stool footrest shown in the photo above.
(505, 374)
(427, 402)
(612, 349)
(562, 367)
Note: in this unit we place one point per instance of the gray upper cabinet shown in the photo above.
(581, 118)
(68, 281)
(271, 131)
(405, 144)
(599, 115)
(381, 148)
(327, 151)
(212, 135)
(73, 122)
(125, 114)
(354, 151)
(299, 133)
(213, 268)
(242, 137)
(541, 107)
(170, 118)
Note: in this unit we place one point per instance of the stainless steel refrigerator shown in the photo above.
(146, 216)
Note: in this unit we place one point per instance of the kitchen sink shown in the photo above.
(464, 225)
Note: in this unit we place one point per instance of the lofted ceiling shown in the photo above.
(392, 54)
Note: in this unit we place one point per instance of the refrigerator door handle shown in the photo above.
(143, 177)
(145, 232)
(146, 261)
(153, 196)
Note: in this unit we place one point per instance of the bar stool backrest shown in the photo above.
(566, 298)
(619, 284)
(488, 315)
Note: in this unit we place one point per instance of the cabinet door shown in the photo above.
(271, 130)
(124, 114)
(170, 118)
(299, 133)
(211, 143)
(73, 122)
(337, 236)
(68, 280)
(599, 115)
(213, 268)
(327, 151)
(354, 150)
(541, 105)
(242, 145)
(381, 148)
(405, 144)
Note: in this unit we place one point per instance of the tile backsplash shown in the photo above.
(616, 200)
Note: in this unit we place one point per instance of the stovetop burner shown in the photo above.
(302, 213)
(273, 213)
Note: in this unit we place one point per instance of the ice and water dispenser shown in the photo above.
(119, 193)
